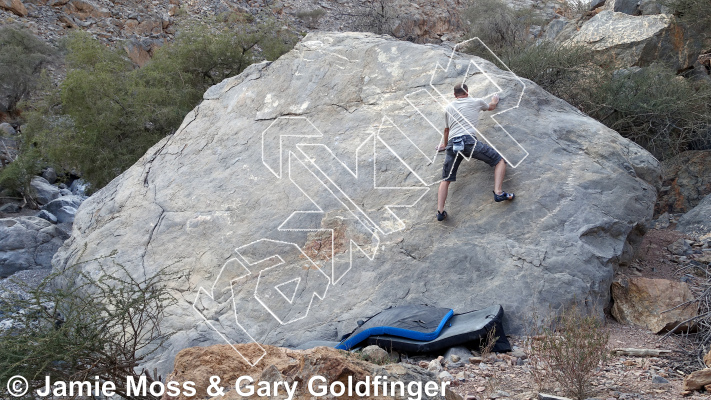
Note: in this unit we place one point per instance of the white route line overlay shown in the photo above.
(334, 278)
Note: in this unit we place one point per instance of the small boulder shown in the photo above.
(445, 376)
(642, 301)
(679, 248)
(10, 208)
(375, 354)
(44, 191)
(79, 187)
(697, 379)
(50, 175)
(434, 366)
(14, 6)
(596, 4)
(686, 181)
(543, 396)
(5, 128)
(659, 380)
(64, 208)
(47, 216)
(697, 222)
(457, 356)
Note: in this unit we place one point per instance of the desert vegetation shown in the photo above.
(658, 109)
(107, 112)
(88, 326)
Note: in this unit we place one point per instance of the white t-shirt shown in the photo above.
(462, 115)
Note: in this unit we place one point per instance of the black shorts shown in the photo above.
(472, 148)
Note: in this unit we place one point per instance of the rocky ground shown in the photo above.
(509, 376)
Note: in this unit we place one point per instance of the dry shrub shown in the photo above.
(567, 352)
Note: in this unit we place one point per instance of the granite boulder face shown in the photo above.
(302, 194)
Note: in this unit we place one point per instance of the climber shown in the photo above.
(460, 117)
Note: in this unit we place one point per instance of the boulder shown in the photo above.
(137, 52)
(456, 355)
(86, 9)
(44, 191)
(642, 301)
(595, 4)
(686, 180)
(637, 7)
(559, 29)
(10, 208)
(207, 196)
(50, 175)
(5, 128)
(14, 6)
(64, 208)
(28, 243)
(680, 247)
(375, 354)
(47, 216)
(199, 364)
(638, 40)
(78, 187)
(697, 379)
(697, 222)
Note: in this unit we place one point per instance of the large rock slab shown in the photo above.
(227, 198)
(639, 40)
(28, 243)
(649, 302)
(199, 364)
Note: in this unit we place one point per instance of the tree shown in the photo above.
(22, 59)
(109, 112)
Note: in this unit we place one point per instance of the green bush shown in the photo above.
(103, 327)
(107, 113)
(22, 58)
(663, 112)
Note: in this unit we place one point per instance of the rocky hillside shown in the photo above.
(141, 27)
(300, 192)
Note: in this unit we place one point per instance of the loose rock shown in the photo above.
(641, 301)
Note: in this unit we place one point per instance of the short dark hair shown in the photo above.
(461, 89)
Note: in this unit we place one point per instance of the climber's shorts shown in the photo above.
(472, 148)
